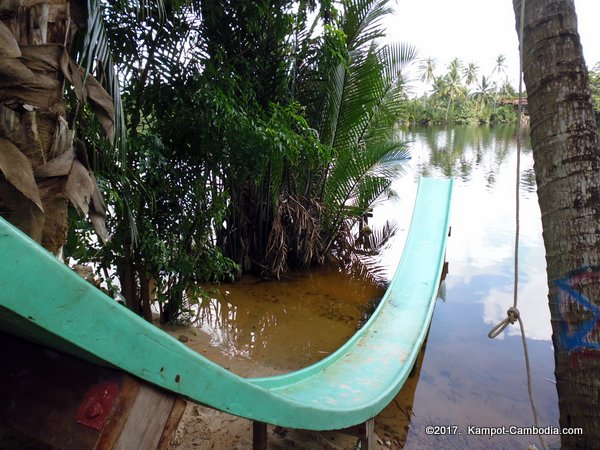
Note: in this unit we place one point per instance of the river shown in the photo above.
(466, 380)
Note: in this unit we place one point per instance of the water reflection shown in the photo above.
(457, 152)
(468, 379)
(290, 323)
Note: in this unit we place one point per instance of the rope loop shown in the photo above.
(512, 316)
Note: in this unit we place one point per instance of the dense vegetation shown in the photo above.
(462, 96)
(594, 75)
(258, 135)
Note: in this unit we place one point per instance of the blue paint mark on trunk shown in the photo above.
(569, 294)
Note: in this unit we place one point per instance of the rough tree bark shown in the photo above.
(567, 165)
(42, 167)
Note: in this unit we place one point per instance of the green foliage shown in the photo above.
(594, 75)
(252, 38)
(317, 156)
(360, 99)
(164, 198)
(504, 114)
(460, 97)
(255, 141)
(367, 152)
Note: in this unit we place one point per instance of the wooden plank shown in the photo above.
(365, 432)
(146, 420)
(367, 438)
(259, 435)
(115, 422)
(172, 423)
(41, 391)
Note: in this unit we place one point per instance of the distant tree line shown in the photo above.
(460, 95)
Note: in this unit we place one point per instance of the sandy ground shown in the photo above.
(204, 428)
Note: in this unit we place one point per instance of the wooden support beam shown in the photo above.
(172, 424)
(444, 271)
(259, 435)
(146, 419)
(365, 432)
(367, 435)
(114, 425)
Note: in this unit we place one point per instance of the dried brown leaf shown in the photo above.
(57, 167)
(98, 212)
(52, 192)
(97, 199)
(14, 72)
(92, 91)
(43, 58)
(73, 74)
(35, 136)
(79, 187)
(102, 104)
(19, 211)
(17, 169)
(33, 80)
(9, 48)
(62, 141)
(99, 223)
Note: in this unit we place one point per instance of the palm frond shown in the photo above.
(395, 57)
(332, 104)
(349, 90)
(367, 153)
(373, 92)
(94, 54)
(358, 178)
(382, 105)
(362, 92)
(362, 22)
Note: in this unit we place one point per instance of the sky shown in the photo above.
(477, 31)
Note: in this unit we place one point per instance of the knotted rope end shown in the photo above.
(512, 316)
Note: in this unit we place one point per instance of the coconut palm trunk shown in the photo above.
(567, 165)
(42, 167)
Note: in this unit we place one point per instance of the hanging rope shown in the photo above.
(513, 315)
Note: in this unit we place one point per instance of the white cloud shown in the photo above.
(477, 31)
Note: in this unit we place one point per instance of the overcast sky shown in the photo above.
(478, 31)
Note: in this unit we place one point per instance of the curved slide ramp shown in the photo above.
(44, 301)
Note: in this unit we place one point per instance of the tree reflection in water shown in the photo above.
(465, 378)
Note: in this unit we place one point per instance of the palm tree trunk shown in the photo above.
(448, 108)
(33, 129)
(40, 171)
(567, 165)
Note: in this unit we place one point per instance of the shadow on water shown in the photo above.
(465, 379)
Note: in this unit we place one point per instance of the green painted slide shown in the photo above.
(43, 301)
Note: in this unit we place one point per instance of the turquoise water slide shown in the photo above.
(44, 301)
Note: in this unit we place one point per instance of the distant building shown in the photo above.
(514, 101)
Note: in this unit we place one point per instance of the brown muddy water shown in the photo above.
(290, 323)
(466, 379)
